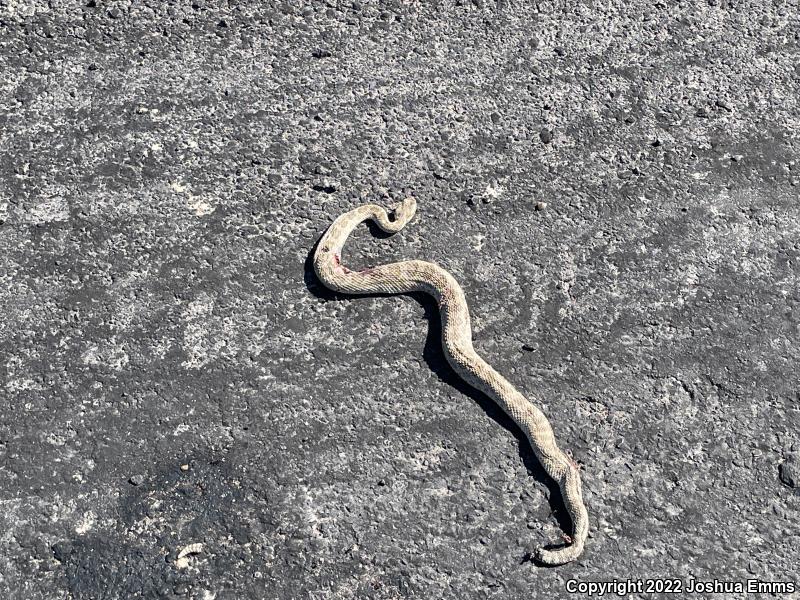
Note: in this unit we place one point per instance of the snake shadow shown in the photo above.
(434, 357)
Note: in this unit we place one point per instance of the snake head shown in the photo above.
(404, 211)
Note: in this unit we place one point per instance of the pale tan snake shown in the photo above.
(416, 275)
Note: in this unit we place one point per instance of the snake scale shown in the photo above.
(415, 276)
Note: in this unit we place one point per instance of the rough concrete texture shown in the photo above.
(615, 184)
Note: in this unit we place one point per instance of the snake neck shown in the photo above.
(328, 256)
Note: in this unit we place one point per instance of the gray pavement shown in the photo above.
(615, 184)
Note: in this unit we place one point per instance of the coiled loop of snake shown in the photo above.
(416, 275)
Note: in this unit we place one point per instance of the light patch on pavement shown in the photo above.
(196, 204)
(48, 211)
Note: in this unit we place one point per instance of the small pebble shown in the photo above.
(184, 467)
(540, 205)
(789, 473)
(136, 479)
(325, 185)
(61, 551)
(546, 135)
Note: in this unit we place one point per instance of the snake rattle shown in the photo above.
(417, 275)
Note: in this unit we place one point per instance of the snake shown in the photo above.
(409, 276)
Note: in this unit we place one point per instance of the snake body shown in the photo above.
(415, 276)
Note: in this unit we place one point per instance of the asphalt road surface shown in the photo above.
(616, 185)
